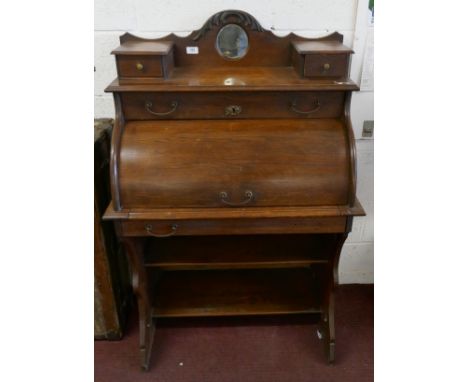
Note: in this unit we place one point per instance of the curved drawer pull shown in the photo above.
(316, 107)
(149, 228)
(248, 194)
(149, 105)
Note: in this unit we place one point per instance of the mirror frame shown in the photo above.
(219, 50)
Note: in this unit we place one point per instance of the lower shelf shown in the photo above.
(236, 292)
(229, 252)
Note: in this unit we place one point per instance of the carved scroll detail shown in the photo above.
(222, 18)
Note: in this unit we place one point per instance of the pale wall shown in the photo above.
(305, 17)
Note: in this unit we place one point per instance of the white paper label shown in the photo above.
(192, 49)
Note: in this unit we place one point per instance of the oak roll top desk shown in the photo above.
(233, 172)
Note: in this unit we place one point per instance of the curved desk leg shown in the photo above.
(134, 249)
(326, 330)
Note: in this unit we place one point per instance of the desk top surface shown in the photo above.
(227, 79)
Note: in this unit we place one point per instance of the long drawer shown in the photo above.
(249, 163)
(165, 228)
(232, 105)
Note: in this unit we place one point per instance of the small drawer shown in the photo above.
(166, 228)
(232, 105)
(320, 59)
(326, 65)
(144, 60)
(140, 66)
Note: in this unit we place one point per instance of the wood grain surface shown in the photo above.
(212, 105)
(189, 163)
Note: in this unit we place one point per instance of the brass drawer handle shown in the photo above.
(223, 195)
(149, 105)
(139, 66)
(149, 228)
(326, 67)
(232, 110)
(313, 110)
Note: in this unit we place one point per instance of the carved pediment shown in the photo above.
(229, 16)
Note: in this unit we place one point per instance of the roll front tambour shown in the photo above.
(190, 163)
(233, 172)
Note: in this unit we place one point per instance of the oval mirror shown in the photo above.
(232, 42)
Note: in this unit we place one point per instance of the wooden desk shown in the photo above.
(233, 178)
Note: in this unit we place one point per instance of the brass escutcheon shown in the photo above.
(232, 110)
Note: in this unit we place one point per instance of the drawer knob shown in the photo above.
(315, 107)
(139, 66)
(149, 105)
(326, 67)
(232, 110)
(149, 229)
(223, 195)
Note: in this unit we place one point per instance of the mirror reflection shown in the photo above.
(232, 42)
